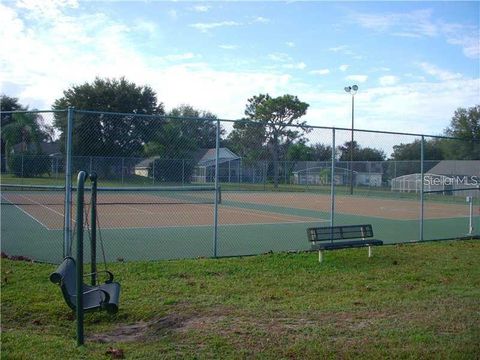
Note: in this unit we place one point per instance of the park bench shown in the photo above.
(333, 238)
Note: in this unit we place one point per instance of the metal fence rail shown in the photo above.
(266, 204)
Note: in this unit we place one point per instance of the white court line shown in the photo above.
(211, 225)
(30, 216)
(137, 209)
(267, 214)
(46, 207)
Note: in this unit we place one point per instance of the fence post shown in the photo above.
(67, 237)
(22, 168)
(123, 167)
(183, 171)
(93, 229)
(153, 171)
(79, 266)
(215, 217)
(265, 174)
(422, 143)
(332, 182)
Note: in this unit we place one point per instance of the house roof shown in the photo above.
(457, 167)
(224, 155)
(203, 157)
(146, 163)
(47, 148)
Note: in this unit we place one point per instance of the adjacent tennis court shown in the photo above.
(178, 222)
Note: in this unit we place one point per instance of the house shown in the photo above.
(464, 174)
(319, 173)
(144, 167)
(228, 161)
(199, 168)
(446, 176)
(46, 148)
(469, 168)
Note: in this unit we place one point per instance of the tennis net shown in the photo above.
(44, 195)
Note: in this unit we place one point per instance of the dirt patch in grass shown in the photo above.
(255, 331)
(122, 333)
(225, 322)
(146, 330)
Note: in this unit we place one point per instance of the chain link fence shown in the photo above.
(161, 195)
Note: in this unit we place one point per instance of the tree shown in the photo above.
(247, 139)
(432, 150)
(322, 152)
(101, 134)
(7, 104)
(359, 153)
(174, 144)
(300, 152)
(276, 116)
(199, 125)
(29, 130)
(465, 125)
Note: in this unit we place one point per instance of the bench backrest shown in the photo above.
(66, 277)
(330, 233)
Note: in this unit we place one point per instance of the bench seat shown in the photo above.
(346, 244)
(337, 237)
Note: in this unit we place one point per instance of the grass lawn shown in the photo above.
(408, 301)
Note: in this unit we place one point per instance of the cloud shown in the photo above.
(38, 65)
(201, 8)
(51, 9)
(204, 27)
(279, 57)
(178, 57)
(338, 48)
(261, 20)
(465, 36)
(357, 78)
(223, 92)
(173, 14)
(320, 72)
(43, 56)
(438, 73)
(420, 24)
(228, 47)
(290, 44)
(388, 80)
(298, 66)
(415, 24)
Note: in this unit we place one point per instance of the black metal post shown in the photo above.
(93, 224)
(82, 175)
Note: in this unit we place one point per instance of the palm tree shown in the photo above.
(26, 129)
(7, 104)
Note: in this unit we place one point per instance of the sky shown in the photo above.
(415, 62)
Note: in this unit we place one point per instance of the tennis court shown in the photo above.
(179, 223)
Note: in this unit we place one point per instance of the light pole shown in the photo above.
(352, 90)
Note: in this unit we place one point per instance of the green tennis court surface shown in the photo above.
(249, 223)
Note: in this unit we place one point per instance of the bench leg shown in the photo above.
(320, 256)
(369, 251)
